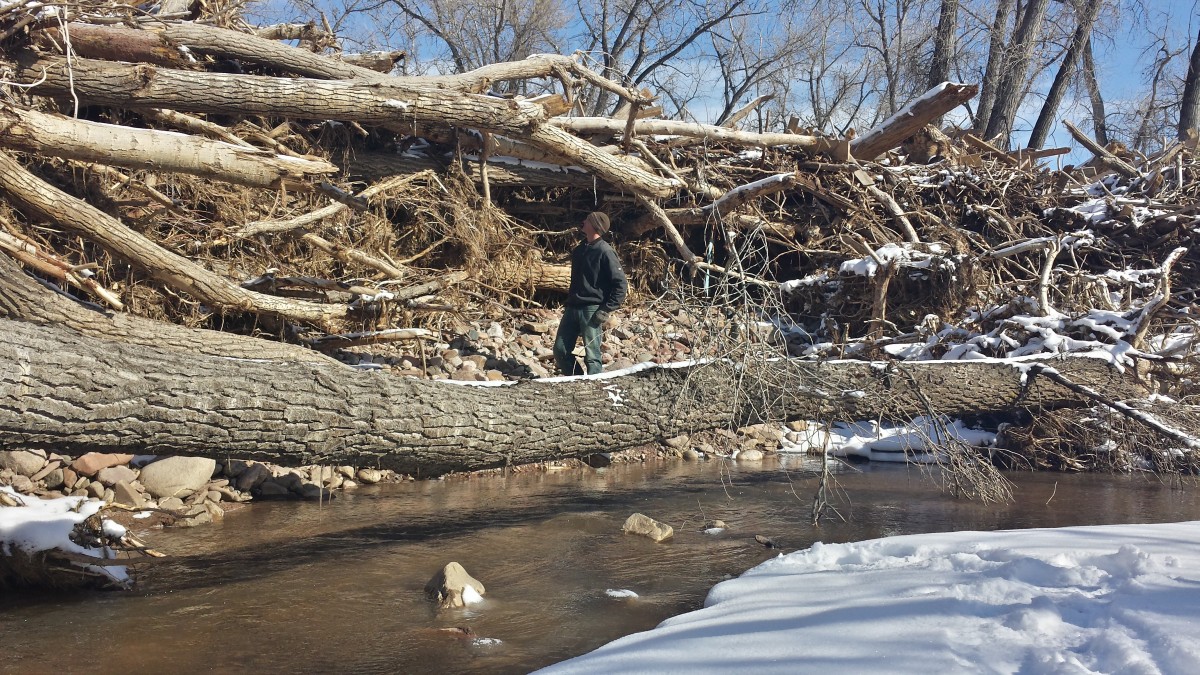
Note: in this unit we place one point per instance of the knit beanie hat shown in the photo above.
(599, 222)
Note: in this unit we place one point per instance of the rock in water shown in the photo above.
(647, 527)
(453, 587)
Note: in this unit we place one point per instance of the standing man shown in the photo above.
(598, 287)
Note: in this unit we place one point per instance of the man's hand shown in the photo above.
(599, 318)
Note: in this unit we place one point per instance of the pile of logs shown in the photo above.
(131, 137)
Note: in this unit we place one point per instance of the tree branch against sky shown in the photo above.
(826, 62)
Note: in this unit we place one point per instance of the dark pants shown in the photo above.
(577, 322)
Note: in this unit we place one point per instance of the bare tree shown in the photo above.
(943, 43)
(1151, 114)
(831, 87)
(1099, 117)
(896, 28)
(635, 39)
(1014, 76)
(478, 32)
(752, 52)
(1079, 39)
(1189, 109)
(997, 46)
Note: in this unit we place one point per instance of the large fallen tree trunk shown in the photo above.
(74, 392)
(63, 391)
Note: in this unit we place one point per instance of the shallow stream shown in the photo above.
(300, 587)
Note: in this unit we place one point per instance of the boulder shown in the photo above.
(54, 479)
(23, 462)
(289, 481)
(51, 466)
(715, 523)
(112, 475)
(646, 526)
(314, 492)
(453, 587)
(691, 454)
(91, 463)
(766, 432)
(22, 484)
(202, 517)
(177, 476)
(252, 476)
(270, 489)
(124, 493)
(598, 460)
(369, 476)
(751, 455)
(677, 442)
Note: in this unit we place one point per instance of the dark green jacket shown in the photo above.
(596, 276)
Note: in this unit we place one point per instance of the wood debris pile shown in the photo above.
(207, 172)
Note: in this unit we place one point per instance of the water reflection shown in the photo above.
(300, 587)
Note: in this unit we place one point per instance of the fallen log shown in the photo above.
(589, 125)
(383, 101)
(931, 105)
(379, 101)
(23, 298)
(501, 172)
(75, 394)
(146, 149)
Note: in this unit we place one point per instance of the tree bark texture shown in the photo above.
(997, 41)
(1099, 116)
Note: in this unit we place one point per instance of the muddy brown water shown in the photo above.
(337, 588)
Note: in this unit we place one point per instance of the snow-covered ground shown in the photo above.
(1109, 599)
(38, 525)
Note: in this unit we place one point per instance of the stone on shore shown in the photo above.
(23, 462)
(124, 493)
(112, 475)
(90, 464)
(177, 476)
